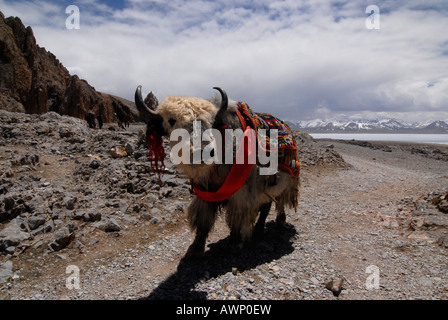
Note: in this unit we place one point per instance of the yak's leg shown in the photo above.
(197, 248)
(281, 216)
(259, 227)
(241, 224)
(236, 223)
(235, 238)
(201, 216)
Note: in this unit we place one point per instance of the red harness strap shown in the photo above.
(238, 174)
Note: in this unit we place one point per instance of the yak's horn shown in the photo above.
(146, 113)
(222, 109)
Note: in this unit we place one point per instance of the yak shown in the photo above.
(240, 189)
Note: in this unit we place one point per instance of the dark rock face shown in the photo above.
(33, 80)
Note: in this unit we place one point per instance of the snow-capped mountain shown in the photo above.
(377, 125)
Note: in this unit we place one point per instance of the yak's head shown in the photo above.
(184, 113)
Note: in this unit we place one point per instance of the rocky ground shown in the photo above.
(82, 216)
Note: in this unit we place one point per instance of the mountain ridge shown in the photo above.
(386, 125)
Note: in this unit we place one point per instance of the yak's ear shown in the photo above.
(232, 106)
(146, 113)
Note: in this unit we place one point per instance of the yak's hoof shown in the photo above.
(281, 219)
(194, 252)
(235, 246)
(235, 242)
(258, 234)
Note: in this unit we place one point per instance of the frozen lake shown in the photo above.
(400, 137)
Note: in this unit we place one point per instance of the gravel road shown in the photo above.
(369, 230)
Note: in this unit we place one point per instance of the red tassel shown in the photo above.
(156, 152)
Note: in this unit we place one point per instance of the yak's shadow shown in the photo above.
(219, 259)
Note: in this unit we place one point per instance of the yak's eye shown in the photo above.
(172, 122)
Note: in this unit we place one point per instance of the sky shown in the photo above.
(297, 59)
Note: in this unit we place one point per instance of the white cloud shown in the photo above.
(289, 56)
(32, 13)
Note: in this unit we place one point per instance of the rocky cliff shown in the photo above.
(33, 80)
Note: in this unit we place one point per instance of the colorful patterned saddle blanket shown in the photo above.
(285, 142)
